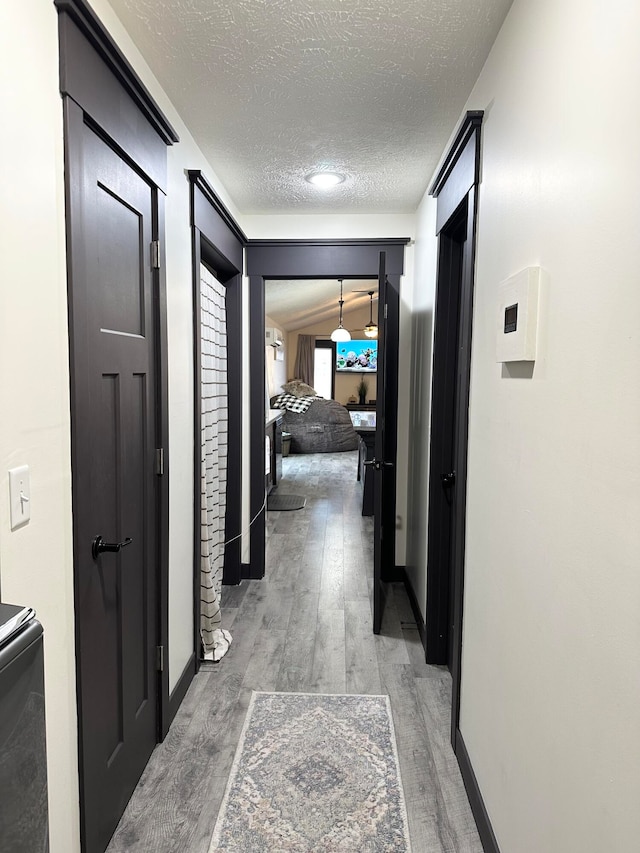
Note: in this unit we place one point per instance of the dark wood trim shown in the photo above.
(462, 439)
(232, 572)
(394, 574)
(330, 241)
(415, 607)
(257, 419)
(179, 691)
(300, 259)
(249, 574)
(478, 808)
(81, 13)
(198, 179)
(217, 242)
(114, 115)
(469, 125)
(196, 245)
(73, 119)
(162, 440)
(390, 453)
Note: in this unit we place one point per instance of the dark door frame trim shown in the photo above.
(83, 16)
(217, 242)
(300, 259)
(456, 189)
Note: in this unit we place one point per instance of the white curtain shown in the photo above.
(213, 484)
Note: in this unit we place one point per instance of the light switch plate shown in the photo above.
(19, 496)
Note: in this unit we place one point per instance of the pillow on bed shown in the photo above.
(299, 388)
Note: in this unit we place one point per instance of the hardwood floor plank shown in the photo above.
(332, 579)
(355, 573)
(328, 673)
(361, 659)
(297, 659)
(434, 694)
(427, 828)
(264, 667)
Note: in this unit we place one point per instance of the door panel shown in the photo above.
(443, 464)
(114, 485)
(120, 246)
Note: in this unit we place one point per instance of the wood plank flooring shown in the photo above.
(306, 627)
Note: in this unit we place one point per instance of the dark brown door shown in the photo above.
(383, 468)
(112, 332)
(445, 415)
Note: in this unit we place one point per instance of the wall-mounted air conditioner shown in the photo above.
(273, 337)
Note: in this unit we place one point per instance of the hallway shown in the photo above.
(306, 628)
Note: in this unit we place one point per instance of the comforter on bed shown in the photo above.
(324, 427)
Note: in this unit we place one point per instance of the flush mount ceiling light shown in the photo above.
(324, 180)
(340, 334)
(371, 329)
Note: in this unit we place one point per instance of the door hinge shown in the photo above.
(155, 254)
(159, 461)
(385, 310)
(160, 658)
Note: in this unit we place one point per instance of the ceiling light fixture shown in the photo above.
(340, 334)
(371, 329)
(324, 180)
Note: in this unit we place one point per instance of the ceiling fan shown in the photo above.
(371, 329)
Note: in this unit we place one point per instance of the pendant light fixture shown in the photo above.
(371, 329)
(340, 334)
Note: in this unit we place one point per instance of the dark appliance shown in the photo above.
(24, 817)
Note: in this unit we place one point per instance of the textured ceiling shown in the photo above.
(273, 89)
(297, 304)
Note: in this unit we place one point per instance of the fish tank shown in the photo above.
(357, 356)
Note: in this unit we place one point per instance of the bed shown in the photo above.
(316, 425)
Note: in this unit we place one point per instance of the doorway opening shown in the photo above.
(325, 259)
(320, 422)
(217, 260)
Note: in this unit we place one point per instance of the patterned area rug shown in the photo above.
(314, 774)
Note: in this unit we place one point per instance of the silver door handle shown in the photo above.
(378, 465)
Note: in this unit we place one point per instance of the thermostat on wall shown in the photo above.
(517, 330)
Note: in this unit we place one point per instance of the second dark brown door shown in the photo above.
(112, 336)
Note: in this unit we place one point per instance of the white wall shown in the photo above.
(324, 226)
(551, 654)
(36, 561)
